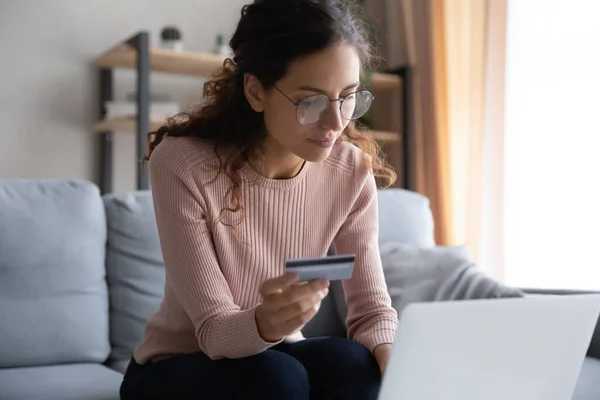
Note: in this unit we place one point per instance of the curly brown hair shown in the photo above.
(269, 36)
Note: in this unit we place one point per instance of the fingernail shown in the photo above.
(324, 293)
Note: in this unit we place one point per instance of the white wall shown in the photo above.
(49, 90)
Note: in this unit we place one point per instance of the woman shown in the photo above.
(268, 168)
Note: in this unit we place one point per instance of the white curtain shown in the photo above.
(491, 222)
(552, 144)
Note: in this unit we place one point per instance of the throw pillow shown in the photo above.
(440, 273)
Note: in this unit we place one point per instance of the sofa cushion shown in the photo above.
(135, 269)
(60, 382)
(440, 273)
(118, 365)
(53, 295)
(405, 217)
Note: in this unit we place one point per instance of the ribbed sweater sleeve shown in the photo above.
(371, 319)
(222, 329)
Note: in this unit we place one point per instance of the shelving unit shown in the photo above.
(200, 64)
(129, 125)
(136, 53)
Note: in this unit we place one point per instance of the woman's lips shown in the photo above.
(323, 143)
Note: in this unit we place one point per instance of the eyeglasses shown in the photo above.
(312, 108)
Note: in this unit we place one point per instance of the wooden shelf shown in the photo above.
(123, 124)
(385, 136)
(201, 64)
(129, 125)
(381, 82)
(163, 60)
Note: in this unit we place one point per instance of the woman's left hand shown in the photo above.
(382, 355)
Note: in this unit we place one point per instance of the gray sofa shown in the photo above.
(81, 273)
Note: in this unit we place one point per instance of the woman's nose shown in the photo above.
(333, 119)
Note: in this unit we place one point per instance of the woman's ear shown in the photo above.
(254, 92)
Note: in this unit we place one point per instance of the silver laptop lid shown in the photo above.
(496, 349)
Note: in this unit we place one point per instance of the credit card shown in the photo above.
(333, 268)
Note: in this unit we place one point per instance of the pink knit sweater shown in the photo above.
(213, 278)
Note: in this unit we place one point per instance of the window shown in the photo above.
(552, 144)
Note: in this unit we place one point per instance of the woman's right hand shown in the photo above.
(287, 305)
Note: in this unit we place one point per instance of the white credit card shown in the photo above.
(333, 268)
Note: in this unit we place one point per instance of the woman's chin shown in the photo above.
(315, 155)
(315, 152)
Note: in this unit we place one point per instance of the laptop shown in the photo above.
(495, 349)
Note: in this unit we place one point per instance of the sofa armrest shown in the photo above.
(594, 349)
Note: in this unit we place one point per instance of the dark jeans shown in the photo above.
(318, 368)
